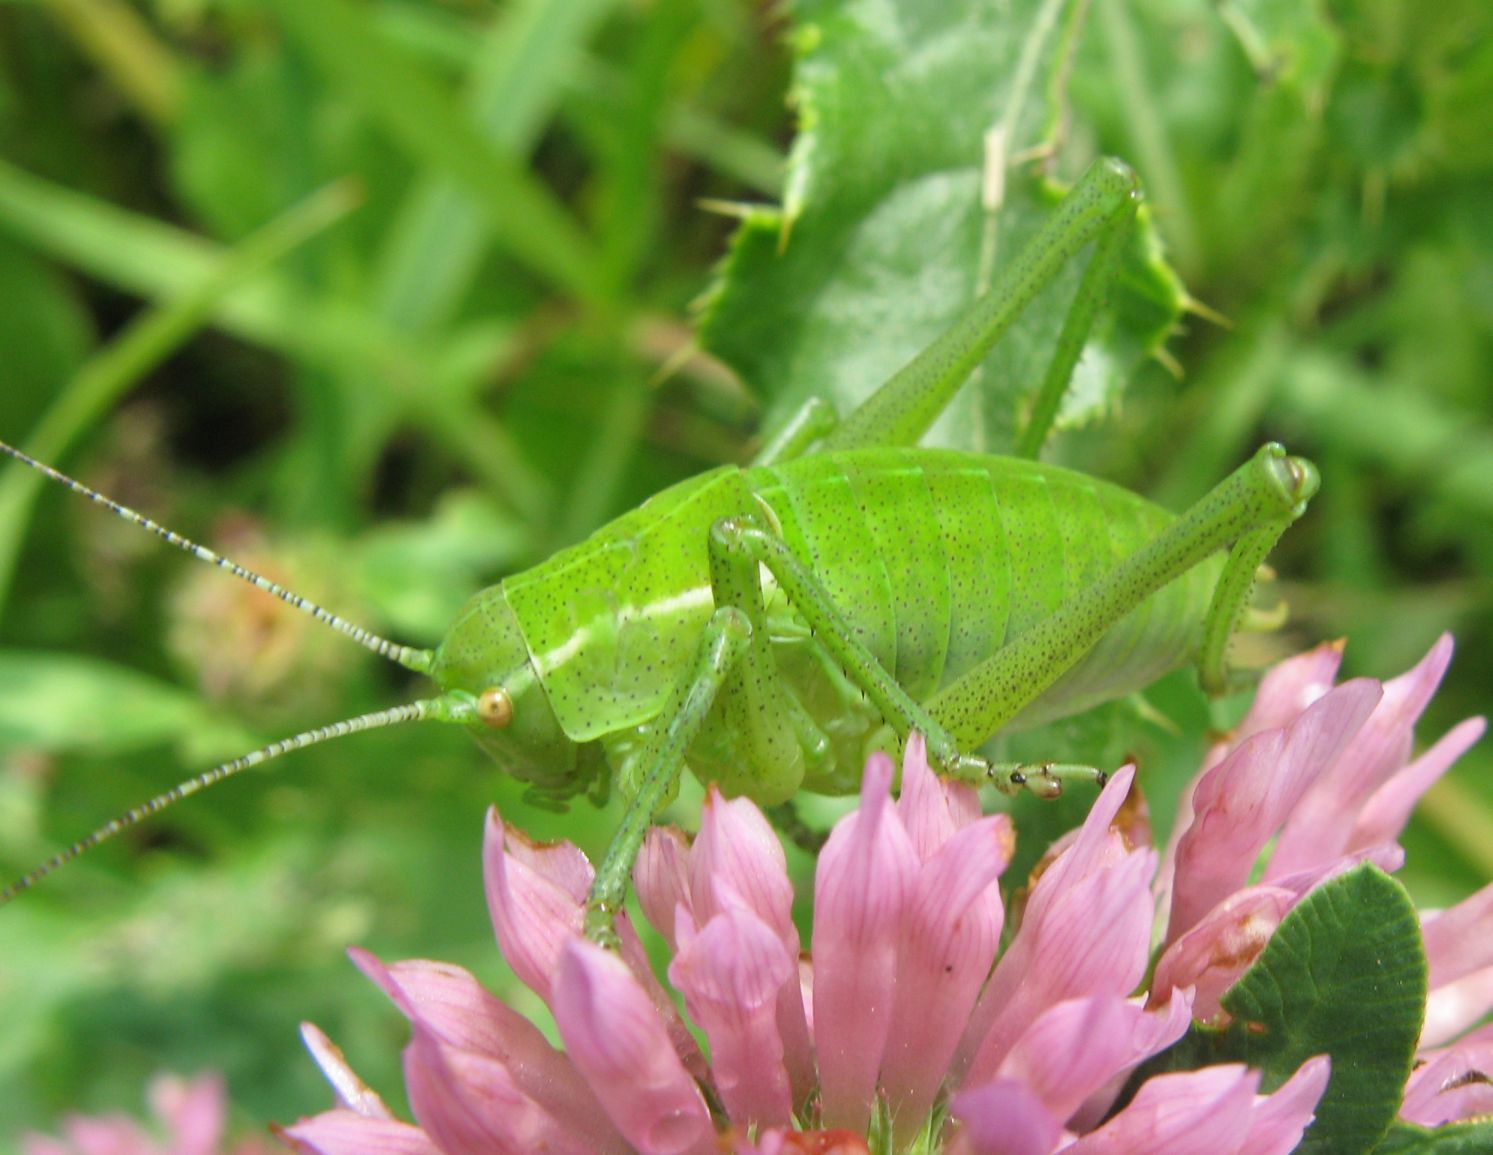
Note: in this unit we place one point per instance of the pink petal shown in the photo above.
(1290, 687)
(806, 984)
(193, 1112)
(1240, 803)
(661, 878)
(1003, 1117)
(1200, 1112)
(1388, 809)
(1223, 944)
(1286, 690)
(451, 1007)
(1452, 1008)
(951, 931)
(469, 1105)
(730, 975)
(1453, 1084)
(1279, 1119)
(1322, 824)
(352, 1093)
(41, 1145)
(109, 1135)
(636, 958)
(1388, 858)
(614, 1036)
(1459, 940)
(1094, 942)
(348, 1133)
(796, 1031)
(535, 896)
(738, 848)
(560, 863)
(1093, 848)
(1075, 1048)
(738, 860)
(930, 808)
(1086, 931)
(862, 884)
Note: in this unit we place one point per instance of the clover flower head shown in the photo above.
(1323, 775)
(905, 1026)
(191, 1112)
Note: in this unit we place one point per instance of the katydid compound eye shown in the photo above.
(495, 708)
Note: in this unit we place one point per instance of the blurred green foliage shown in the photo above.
(393, 298)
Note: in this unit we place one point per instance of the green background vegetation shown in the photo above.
(389, 299)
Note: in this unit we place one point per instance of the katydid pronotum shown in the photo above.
(765, 626)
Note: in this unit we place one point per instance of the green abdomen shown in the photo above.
(939, 558)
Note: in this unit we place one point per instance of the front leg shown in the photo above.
(725, 638)
(768, 736)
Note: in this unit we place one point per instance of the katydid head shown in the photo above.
(485, 660)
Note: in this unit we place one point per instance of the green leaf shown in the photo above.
(438, 238)
(893, 224)
(1345, 975)
(1416, 91)
(1452, 1139)
(45, 331)
(143, 344)
(418, 575)
(147, 257)
(57, 704)
(1287, 41)
(236, 126)
(431, 126)
(1397, 431)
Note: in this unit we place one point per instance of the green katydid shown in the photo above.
(763, 626)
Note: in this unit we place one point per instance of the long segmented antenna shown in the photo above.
(426, 710)
(406, 656)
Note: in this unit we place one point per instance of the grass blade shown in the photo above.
(430, 125)
(144, 344)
